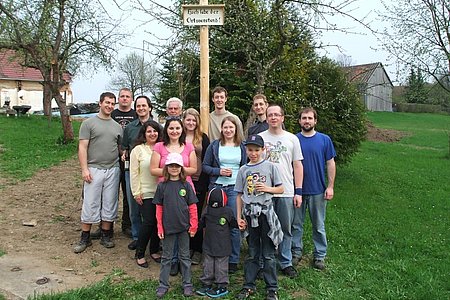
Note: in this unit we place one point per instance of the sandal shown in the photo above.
(156, 258)
(142, 265)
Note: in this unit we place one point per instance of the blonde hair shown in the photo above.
(198, 134)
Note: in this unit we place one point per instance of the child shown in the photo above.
(176, 215)
(256, 182)
(218, 219)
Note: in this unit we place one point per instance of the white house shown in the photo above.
(21, 85)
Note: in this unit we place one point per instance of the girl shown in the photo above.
(194, 135)
(143, 187)
(222, 161)
(176, 214)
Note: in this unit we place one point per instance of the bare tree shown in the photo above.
(135, 73)
(419, 36)
(344, 60)
(58, 37)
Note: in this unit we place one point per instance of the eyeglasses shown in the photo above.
(274, 115)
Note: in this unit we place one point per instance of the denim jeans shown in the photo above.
(284, 208)
(235, 234)
(259, 241)
(135, 216)
(316, 206)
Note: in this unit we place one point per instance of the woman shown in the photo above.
(222, 161)
(174, 141)
(194, 135)
(143, 187)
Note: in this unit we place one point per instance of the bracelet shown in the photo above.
(298, 191)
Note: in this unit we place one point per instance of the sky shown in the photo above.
(360, 45)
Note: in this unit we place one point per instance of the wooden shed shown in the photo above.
(374, 85)
(21, 85)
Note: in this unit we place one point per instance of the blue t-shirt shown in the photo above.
(317, 150)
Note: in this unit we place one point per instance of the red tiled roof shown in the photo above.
(11, 69)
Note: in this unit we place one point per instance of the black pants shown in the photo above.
(126, 223)
(196, 242)
(148, 231)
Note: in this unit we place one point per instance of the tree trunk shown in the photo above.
(65, 117)
(47, 100)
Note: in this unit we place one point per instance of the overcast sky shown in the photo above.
(361, 47)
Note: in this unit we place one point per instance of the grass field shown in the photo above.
(388, 226)
(28, 144)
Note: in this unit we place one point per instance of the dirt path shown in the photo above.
(52, 199)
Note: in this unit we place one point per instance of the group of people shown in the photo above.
(194, 195)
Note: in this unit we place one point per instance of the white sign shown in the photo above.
(195, 15)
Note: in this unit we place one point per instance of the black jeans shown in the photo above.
(148, 230)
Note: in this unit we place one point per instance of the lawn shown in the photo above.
(388, 225)
(28, 144)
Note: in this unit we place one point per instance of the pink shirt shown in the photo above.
(163, 152)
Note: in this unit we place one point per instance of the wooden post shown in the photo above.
(204, 74)
(203, 15)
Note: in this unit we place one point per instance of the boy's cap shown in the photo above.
(217, 198)
(174, 158)
(254, 140)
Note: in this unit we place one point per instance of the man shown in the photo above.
(259, 108)
(283, 149)
(124, 115)
(219, 98)
(143, 108)
(174, 107)
(98, 153)
(319, 153)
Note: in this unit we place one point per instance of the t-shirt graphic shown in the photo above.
(252, 179)
(274, 151)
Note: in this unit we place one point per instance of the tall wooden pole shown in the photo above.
(204, 74)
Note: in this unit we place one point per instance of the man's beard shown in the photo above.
(311, 128)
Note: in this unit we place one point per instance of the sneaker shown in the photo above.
(232, 268)
(196, 258)
(82, 245)
(271, 295)
(106, 241)
(218, 292)
(160, 292)
(289, 272)
(132, 245)
(188, 291)
(318, 264)
(174, 269)
(203, 290)
(245, 293)
(97, 234)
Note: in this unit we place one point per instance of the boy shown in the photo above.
(218, 219)
(256, 183)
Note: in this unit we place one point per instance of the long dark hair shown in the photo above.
(141, 135)
(166, 138)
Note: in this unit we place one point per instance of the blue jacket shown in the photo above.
(211, 162)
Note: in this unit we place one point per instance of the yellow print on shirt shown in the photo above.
(252, 179)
